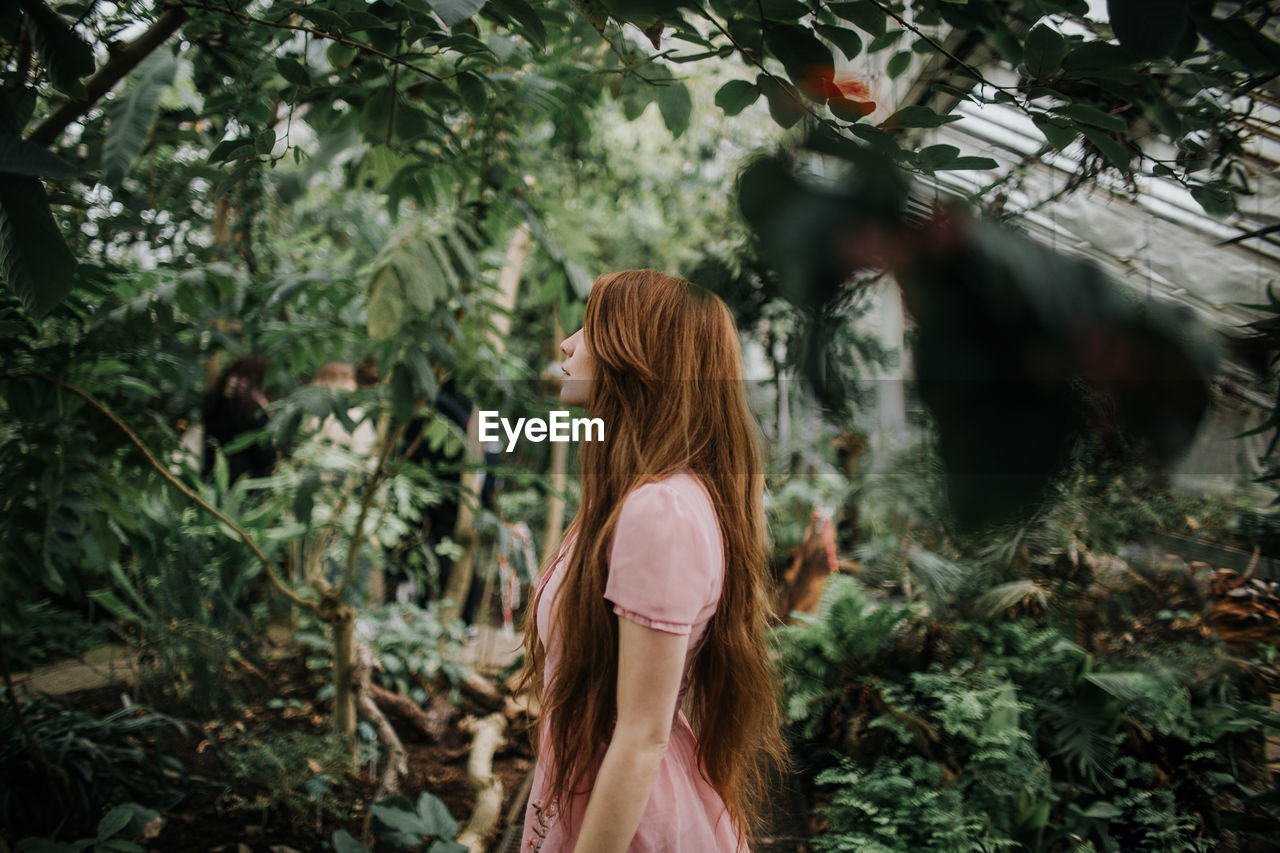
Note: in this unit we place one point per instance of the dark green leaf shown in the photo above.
(19, 157)
(455, 11)
(1112, 148)
(404, 402)
(231, 149)
(64, 54)
(936, 156)
(1086, 114)
(1235, 36)
(800, 51)
(1092, 56)
(676, 107)
(785, 106)
(917, 116)
(1044, 51)
(885, 40)
(898, 63)
(1149, 29)
(471, 88)
(783, 10)
(34, 259)
(327, 19)
(1059, 132)
(736, 95)
(293, 70)
(969, 163)
(375, 118)
(114, 821)
(865, 15)
(265, 141)
(850, 110)
(132, 113)
(845, 39)
(526, 15)
(1215, 200)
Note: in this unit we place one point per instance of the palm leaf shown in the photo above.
(131, 115)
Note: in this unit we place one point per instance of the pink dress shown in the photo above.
(666, 569)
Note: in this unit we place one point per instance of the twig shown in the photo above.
(363, 47)
(186, 490)
(396, 766)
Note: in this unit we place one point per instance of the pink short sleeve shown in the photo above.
(666, 561)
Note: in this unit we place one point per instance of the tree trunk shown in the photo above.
(469, 497)
(344, 704)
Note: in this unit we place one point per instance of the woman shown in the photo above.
(659, 593)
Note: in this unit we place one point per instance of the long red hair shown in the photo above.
(669, 387)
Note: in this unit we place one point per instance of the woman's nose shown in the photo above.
(566, 347)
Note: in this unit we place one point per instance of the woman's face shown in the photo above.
(578, 370)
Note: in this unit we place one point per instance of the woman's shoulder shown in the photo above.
(680, 494)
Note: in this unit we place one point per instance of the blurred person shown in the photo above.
(234, 406)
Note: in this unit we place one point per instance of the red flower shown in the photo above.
(848, 96)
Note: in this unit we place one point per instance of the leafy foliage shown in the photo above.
(120, 757)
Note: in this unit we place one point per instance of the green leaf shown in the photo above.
(114, 821)
(406, 822)
(19, 157)
(850, 110)
(917, 116)
(64, 54)
(343, 842)
(1111, 147)
(385, 310)
(292, 70)
(845, 39)
(1093, 56)
(865, 15)
(676, 107)
(800, 52)
(34, 259)
(1087, 114)
(898, 63)
(327, 19)
(131, 114)
(435, 814)
(471, 89)
(936, 156)
(1149, 29)
(784, 102)
(443, 846)
(1216, 200)
(969, 163)
(455, 11)
(110, 602)
(265, 141)
(783, 10)
(1243, 42)
(736, 95)
(1044, 51)
(376, 114)
(231, 149)
(526, 15)
(1058, 132)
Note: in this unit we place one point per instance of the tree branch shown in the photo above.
(246, 18)
(186, 490)
(120, 64)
